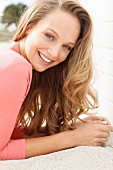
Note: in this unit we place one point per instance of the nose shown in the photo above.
(54, 51)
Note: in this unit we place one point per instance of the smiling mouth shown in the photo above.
(44, 58)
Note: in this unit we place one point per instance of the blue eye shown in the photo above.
(67, 47)
(49, 36)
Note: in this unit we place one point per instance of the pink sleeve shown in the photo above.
(14, 85)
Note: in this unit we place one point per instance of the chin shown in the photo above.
(40, 70)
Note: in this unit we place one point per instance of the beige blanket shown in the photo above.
(78, 158)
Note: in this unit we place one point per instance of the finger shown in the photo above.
(101, 118)
(111, 129)
(99, 144)
(104, 134)
(105, 119)
(100, 122)
(87, 118)
(102, 140)
(106, 128)
(90, 117)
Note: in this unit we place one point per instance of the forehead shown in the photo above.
(65, 24)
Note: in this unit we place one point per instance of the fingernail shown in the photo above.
(104, 122)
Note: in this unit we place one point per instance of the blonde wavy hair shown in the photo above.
(59, 95)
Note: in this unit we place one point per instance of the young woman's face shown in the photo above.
(49, 42)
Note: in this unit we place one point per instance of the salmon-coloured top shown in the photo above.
(15, 80)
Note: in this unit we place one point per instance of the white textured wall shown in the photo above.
(102, 14)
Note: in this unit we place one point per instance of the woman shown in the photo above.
(45, 76)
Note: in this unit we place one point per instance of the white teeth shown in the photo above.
(45, 59)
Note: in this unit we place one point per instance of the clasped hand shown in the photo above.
(93, 132)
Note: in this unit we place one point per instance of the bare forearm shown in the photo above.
(48, 144)
(86, 134)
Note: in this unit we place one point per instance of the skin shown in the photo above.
(53, 37)
(55, 44)
(97, 130)
(92, 133)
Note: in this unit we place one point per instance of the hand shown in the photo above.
(91, 134)
(95, 119)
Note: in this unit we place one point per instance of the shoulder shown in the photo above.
(15, 73)
(12, 62)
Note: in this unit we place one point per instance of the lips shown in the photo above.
(44, 58)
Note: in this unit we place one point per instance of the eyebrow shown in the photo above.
(58, 35)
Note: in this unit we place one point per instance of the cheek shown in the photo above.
(30, 45)
(29, 49)
(62, 57)
(36, 43)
